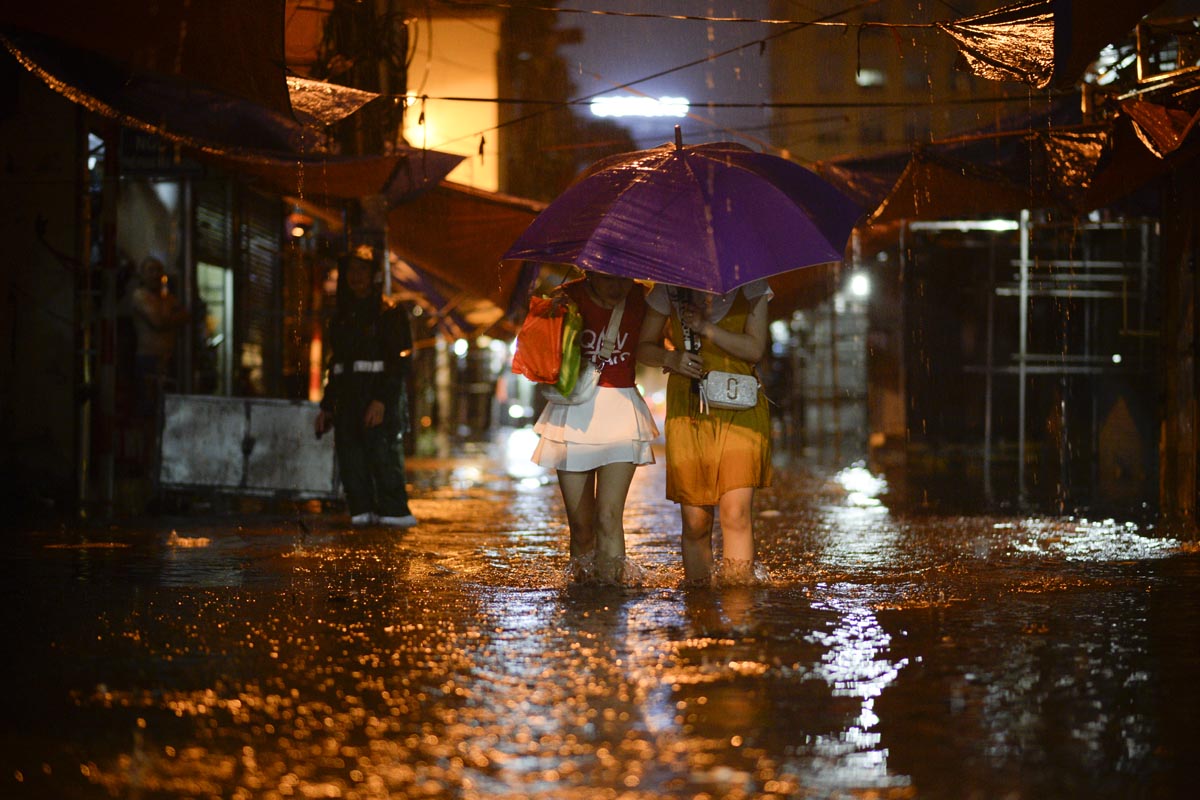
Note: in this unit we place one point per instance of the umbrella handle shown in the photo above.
(678, 138)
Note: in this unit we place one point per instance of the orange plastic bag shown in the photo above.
(539, 354)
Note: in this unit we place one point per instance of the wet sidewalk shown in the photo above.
(891, 655)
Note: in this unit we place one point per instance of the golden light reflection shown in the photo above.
(455, 660)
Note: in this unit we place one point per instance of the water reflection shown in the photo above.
(517, 447)
(571, 705)
(890, 656)
(855, 664)
(684, 691)
(863, 488)
(195, 561)
(1084, 540)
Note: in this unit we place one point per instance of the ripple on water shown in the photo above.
(889, 656)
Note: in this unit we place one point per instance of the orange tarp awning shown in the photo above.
(457, 234)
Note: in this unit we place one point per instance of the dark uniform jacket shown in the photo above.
(369, 346)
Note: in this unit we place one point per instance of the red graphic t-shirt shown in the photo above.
(620, 368)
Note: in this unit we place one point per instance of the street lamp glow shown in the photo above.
(460, 347)
(860, 285)
(624, 106)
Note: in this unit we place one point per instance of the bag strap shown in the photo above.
(679, 296)
(609, 341)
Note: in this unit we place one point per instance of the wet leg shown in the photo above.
(737, 526)
(696, 542)
(579, 496)
(612, 487)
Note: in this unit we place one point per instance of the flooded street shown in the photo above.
(891, 655)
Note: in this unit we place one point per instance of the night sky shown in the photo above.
(621, 49)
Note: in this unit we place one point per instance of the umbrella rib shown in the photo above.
(710, 241)
(639, 181)
(625, 191)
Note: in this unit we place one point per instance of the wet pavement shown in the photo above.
(892, 655)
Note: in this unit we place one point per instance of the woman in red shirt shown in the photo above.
(595, 445)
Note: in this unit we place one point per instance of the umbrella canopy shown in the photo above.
(711, 217)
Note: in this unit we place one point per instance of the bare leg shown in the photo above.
(737, 526)
(696, 542)
(612, 487)
(579, 496)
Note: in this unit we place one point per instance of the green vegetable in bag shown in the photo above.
(572, 328)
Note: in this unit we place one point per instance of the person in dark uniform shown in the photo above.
(369, 348)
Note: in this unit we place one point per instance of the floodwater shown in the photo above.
(891, 655)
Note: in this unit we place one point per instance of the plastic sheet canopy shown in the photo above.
(1163, 130)
(998, 175)
(228, 46)
(1014, 43)
(1042, 42)
(322, 103)
(252, 139)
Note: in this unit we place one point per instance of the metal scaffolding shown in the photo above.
(1083, 296)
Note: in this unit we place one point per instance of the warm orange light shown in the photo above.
(314, 370)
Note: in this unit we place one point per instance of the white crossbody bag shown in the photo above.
(731, 390)
(718, 389)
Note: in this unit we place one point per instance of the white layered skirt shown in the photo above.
(614, 426)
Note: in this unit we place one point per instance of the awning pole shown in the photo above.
(989, 373)
(105, 342)
(83, 318)
(1022, 352)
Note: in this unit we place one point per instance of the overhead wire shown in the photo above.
(475, 4)
(954, 101)
(629, 86)
(741, 131)
(760, 42)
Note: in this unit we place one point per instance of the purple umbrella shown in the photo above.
(710, 216)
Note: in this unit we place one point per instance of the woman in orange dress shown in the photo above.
(716, 457)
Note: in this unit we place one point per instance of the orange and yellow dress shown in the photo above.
(709, 454)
